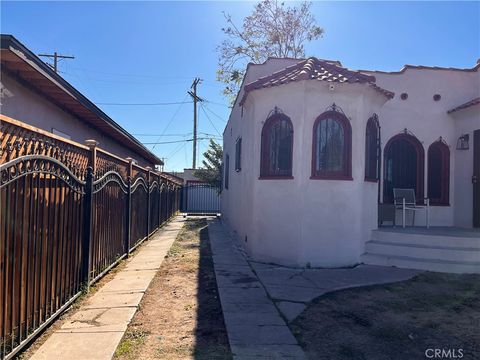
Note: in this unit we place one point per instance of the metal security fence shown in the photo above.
(200, 199)
(68, 214)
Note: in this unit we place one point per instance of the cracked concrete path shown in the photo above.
(255, 328)
(95, 330)
(259, 299)
(292, 288)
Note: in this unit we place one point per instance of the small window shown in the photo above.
(438, 173)
(332, 139)
(372, 142)
(227, 169)
(238, 155)
(277, 147)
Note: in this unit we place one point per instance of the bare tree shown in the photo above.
(272, 30)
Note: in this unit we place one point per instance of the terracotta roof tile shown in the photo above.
(472, 102)
(313, 69)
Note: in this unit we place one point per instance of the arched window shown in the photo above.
(404, 166)
(372, 153)
(277, 147)
(438, 173)
(332, 147)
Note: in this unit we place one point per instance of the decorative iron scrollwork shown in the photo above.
(139, 181)
(109, 177)
(39, 164)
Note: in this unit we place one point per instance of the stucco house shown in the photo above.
(312, 148)
(32, 93)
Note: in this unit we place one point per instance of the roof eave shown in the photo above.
(9, 42)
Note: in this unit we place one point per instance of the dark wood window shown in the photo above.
(277, 148)
(372, 153)
(332, 144)
(238, 155)
(404, 166)
(227, 170)
(438, 173)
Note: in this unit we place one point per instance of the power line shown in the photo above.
(147, 104)
(171, 120)
(56, 58)
(215, 114)
(216, 103)
(210, 120)
(185, 134)
(179, 141)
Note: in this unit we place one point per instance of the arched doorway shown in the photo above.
(404, 166)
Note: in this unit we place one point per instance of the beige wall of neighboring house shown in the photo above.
(21, 103)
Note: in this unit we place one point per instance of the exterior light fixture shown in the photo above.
(462, 142)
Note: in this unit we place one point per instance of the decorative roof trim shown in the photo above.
(313, 69)
(424, 67)
(468, 104)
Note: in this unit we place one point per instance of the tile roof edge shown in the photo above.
(474, 101)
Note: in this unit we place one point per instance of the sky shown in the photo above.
(150, 52)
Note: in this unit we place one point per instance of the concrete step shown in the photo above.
(434, 252)
(409, 262)
(431, 239)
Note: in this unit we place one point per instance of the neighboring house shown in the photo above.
(302, 170)
(31, 92)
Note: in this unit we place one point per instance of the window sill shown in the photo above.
(439, 204)
(275, 177)
(331, 177)
(371, 180)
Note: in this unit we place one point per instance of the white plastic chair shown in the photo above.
(404, 199)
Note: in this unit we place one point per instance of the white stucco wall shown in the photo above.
(466, 121)
(23, 104)
(427, 120)
(327, 222)
(301, 221)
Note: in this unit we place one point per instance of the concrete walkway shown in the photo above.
(95, 330)
(292, 288)
(257, 299)
(254, 326)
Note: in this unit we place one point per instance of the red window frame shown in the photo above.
(265, 172)
(444, 179)
(346, 172)
(372, 153)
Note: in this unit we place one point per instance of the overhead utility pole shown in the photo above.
(55, 57)
(195, 98)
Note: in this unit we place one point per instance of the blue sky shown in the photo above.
(149, 52)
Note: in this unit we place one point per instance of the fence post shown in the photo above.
(87, 228)
(128, 224)
(92, 162)
(148, 201)
(88, 213)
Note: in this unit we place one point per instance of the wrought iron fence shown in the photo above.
(63, 225)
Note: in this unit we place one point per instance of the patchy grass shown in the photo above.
(396, 321)
(180, 316)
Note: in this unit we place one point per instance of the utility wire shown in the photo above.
(210, 120)
(185, 134)
(213, 113)
(171, 120)
(178, 141)
(147, 104)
